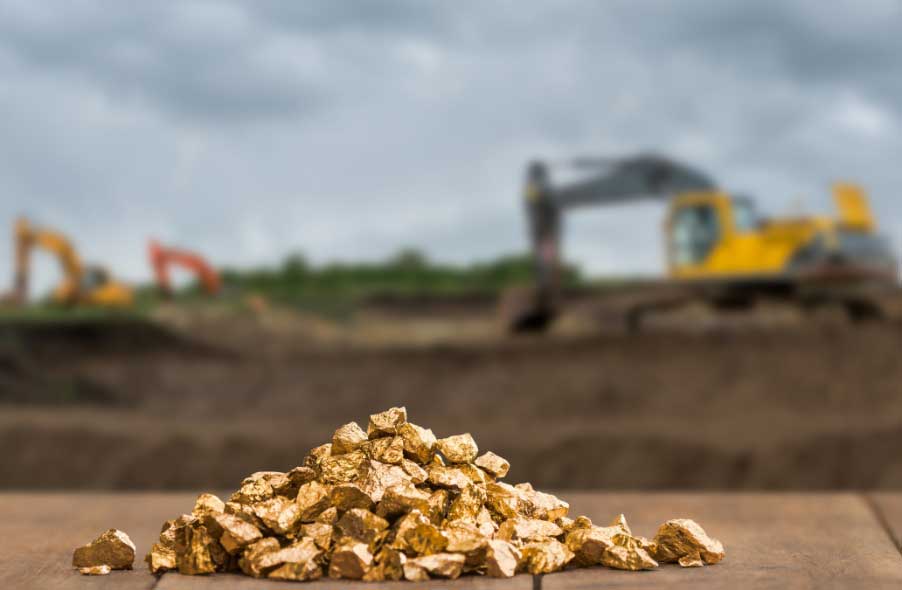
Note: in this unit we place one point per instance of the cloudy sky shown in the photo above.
(247, 130)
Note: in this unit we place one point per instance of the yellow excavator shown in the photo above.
(81, 285)
(718, 248)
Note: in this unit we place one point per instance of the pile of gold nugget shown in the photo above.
(394, 503)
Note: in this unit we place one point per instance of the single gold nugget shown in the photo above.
(402, 498)
(442, 565)
(381, 476)
(501, 559)
(460, 448)
(419, 443)
(112, 548)
(589, 543)
(426, 539)
(350, 560)
(387, 449)
(683, 538)
(236, 533)
(492, 463)
(312, 499)
(389, 566)
(257, 487)
(386, 423)
(349, 495)
(416, 473)
(348, 438)
(523, 530)
(207, 504)
(194, 555)
(545, 556)
(320, 532)
(361, 525)
(627, 553)
(281, 515)
(466, 539)
(161, 559)
(448, 477)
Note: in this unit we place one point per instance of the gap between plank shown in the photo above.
(881, 519)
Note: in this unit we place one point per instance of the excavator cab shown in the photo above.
(99, 289)
(713, 236)
(694, 230)
(94, 277)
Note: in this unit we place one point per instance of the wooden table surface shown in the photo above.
(772, 541)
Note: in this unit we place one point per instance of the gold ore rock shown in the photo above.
(113, 548)
(394, 503)
(684, 541)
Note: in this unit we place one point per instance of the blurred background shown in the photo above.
(625, 245)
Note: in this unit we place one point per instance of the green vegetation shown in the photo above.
(44, 312)
(408, 273)
(332, 289)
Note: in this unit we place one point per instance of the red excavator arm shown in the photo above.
(161, 257)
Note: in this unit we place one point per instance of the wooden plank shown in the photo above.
(777, 541)
(771, 540)
(238, 582)
(40, 531)
(889, 508)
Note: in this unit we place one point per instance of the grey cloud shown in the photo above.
(250, 129)
(200, 61)
(372, 16)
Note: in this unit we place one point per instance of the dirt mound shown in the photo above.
(23, 382)
(133, 460)
(775, 407)
(85, 337)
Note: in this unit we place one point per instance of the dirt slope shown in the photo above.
(806, 406)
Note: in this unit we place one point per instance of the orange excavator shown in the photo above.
(161, 257)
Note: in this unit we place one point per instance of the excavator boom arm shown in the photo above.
(161, 257)
(27, 238)
(629, 180)
(621, 181)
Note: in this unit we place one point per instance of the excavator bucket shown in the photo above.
(854, 208)
(522, 310)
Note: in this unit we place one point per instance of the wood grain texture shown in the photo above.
(39, 532)
(771, 540)
(889, 508)
(238, 582)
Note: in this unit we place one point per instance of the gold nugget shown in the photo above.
(113, 548)
(493, 464)
(348, 438)
(387, 422)
(501, 559)
(351, 560)
(683, 538)
(545, 556)
(460, 448)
